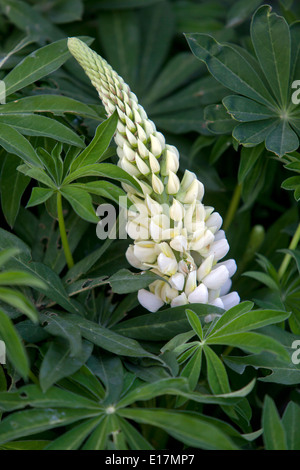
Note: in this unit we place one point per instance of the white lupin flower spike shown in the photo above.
(173, 233)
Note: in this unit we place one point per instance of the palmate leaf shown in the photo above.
(217, 119)
(72, 440)
(107, 170)
(30, 20)
(290, 422)
(108, 339)
(34, 421)
(263, 86)
(101, 188)
(94, 151)
(162, 325)
(38, 64)
(52, 284)
(35, 125)
(59, 362)
(110, 370)
(271, 40)
(190, 430)
(81, 202)
(33, 395)
(14, 142)
(39, 195)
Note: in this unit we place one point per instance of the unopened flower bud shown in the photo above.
(131, 138)
(154, 164)
(129, 167)
(141, 133)
(142, 149)
(156, 148)
(187, 180)
(157, 184)
(173, 184)
(142, 165)
(154, 207)
(128, 152)
(170, 162)
(176, 211)
(191, 283)
(191, 193)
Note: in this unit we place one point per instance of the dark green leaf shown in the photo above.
(81, 202)
(271, 40)
(274, 434)
(59, 363)
(192, 431)
(93, 152)
(13, 185)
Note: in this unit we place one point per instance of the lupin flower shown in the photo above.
(174, 234)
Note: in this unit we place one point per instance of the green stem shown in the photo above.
(233, 206)
(33, 378)
(63, 234)
(287, 258)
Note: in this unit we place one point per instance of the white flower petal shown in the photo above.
(177, 281)
(179, 300)
(199, 295)
(179, 243)
(191, 283)
(226, 287)
(219, 249)
(214, 222)
(216, 278)
(217, 303)
(149, 301)
(132, 259)
(205, 267)
(230, 265)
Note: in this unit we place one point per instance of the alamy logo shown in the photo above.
(2, 92)
(2, 352)
(296, 353)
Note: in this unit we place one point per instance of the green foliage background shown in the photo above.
(87, 367)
